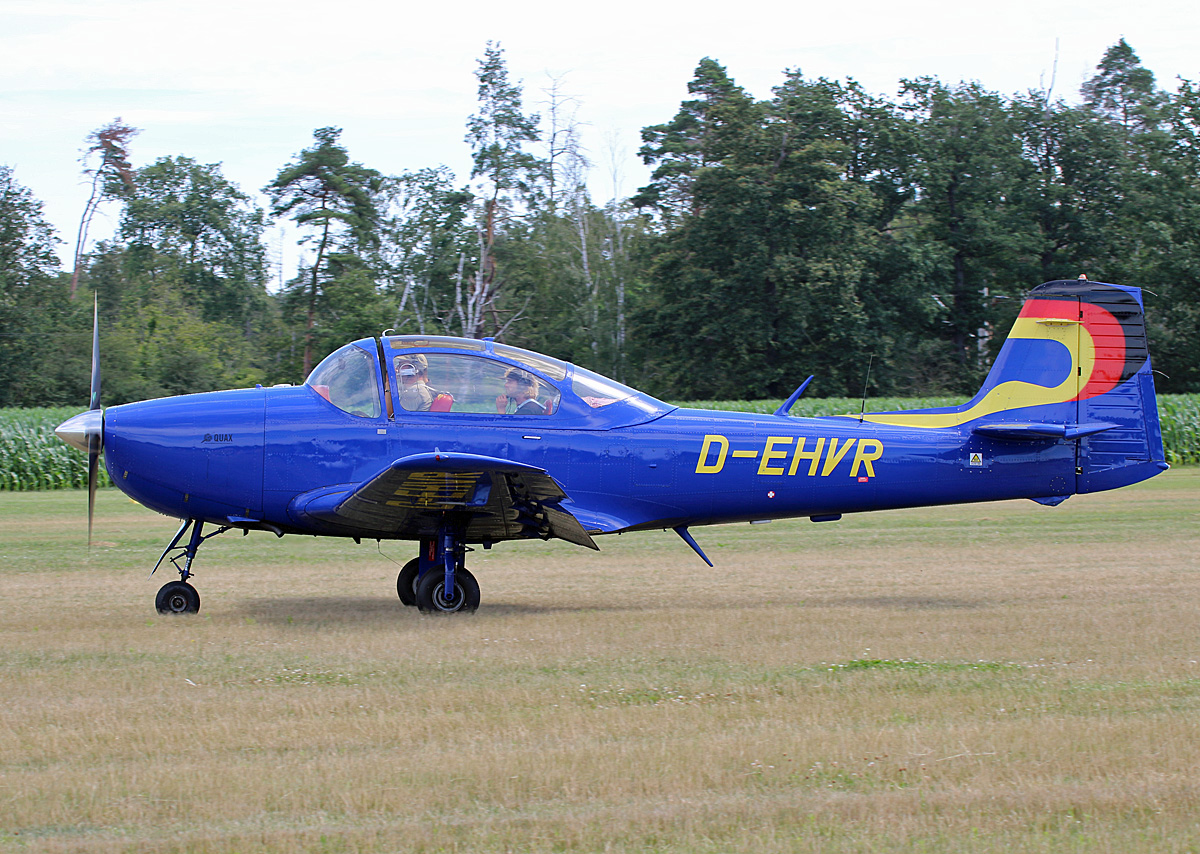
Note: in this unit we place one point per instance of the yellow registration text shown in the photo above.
(791, 455)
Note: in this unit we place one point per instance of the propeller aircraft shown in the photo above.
(455, 442)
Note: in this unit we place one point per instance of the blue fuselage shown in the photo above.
(247, 456)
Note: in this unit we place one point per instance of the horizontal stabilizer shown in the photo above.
(1032, 432)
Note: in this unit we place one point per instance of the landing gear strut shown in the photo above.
(179, 597)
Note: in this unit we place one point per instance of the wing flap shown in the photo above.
(499, 499)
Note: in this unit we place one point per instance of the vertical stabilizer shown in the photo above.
(1075, 367)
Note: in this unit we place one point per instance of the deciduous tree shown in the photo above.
(35, 317)
(186, 217)
(425, 232)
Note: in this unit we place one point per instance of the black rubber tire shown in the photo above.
(177, 597)
(406, 582)
(431, 593)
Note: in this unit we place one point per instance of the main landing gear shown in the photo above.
(437, 581)
(179, 597)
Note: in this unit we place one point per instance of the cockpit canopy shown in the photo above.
(349, 379)
(434, 376)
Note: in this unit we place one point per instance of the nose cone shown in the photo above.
(76, 430)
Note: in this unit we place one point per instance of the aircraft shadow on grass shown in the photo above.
(324, 610)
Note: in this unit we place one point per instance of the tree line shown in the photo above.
(880, 243)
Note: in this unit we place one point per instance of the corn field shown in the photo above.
(32, 457)
(1180, 418)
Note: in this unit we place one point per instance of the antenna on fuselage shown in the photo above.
(866, 382)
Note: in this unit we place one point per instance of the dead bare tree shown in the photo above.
(110, 175)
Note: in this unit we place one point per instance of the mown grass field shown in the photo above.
(1003, 677)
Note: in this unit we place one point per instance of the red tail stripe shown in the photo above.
(1107, 336)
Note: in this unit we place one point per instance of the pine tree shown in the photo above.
(507, 178)
(334, 199)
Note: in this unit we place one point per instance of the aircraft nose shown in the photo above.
(75, 430)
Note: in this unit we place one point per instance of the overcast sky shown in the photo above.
(244, 82)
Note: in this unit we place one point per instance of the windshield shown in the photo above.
(599, 391)
(347, 379)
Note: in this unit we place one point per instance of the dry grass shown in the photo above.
(1000, 677)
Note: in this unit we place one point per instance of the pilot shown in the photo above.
(413, 372)
(520, 394)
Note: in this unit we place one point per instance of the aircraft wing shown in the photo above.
(498, 499)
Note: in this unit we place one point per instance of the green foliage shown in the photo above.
(166, 348)
(184, 221)
(1123, 90)
(1180, 418)
(825, 228)
(498, 132)
(578, 279)
(968, 164)
(705, 132)
(507, 179)
(772, 262)
(36, 316)
(425, 231)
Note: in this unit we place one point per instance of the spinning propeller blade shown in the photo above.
(85, 431)
(94, 401)
(94, 442)
(95, 439)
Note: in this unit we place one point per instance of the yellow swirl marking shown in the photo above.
(1015, 394)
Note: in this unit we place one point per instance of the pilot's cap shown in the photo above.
(522, 377)
(411, 365)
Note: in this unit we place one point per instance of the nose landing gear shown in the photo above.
(179, 597)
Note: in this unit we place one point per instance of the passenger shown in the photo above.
(520, 394)
(413, 372)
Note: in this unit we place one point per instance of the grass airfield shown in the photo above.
(1000, 677)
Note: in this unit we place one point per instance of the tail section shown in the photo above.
(1075, 367)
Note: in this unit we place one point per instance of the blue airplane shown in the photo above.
(455, 442)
